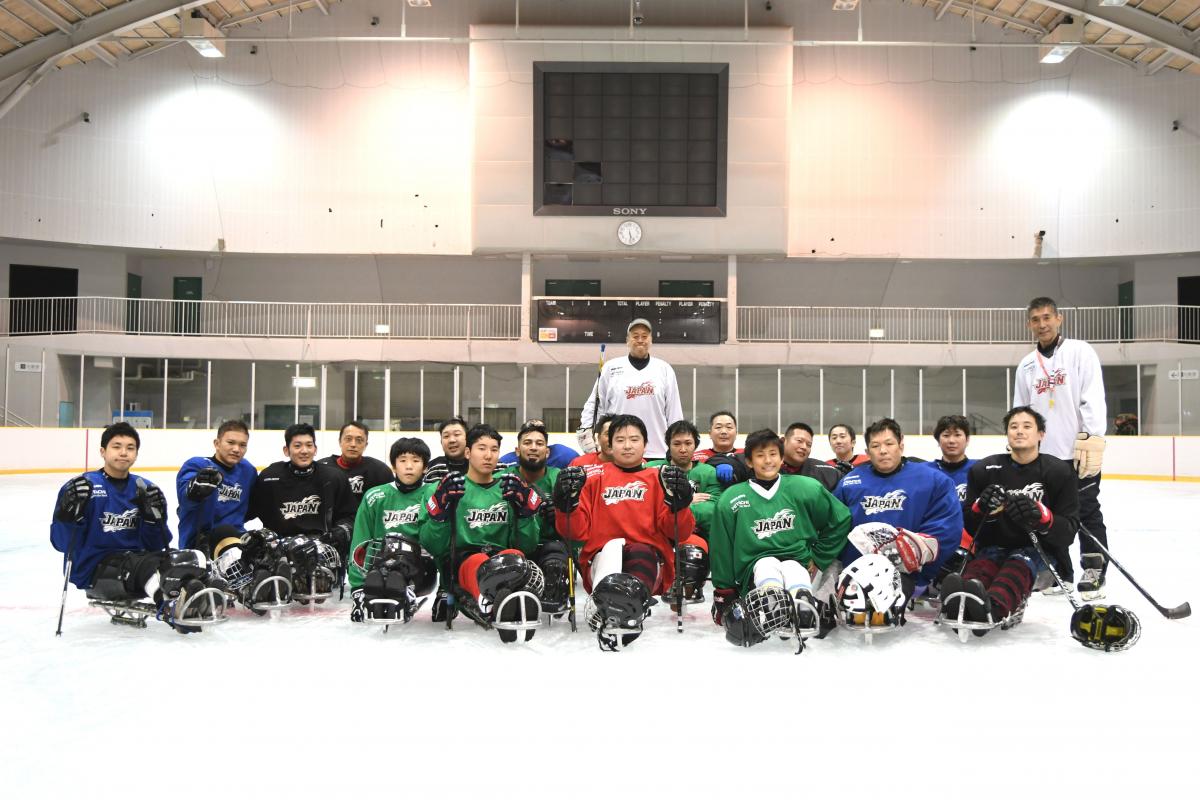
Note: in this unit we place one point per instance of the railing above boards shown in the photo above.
(1160, 323)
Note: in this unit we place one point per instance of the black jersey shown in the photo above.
(292, 501)
(1049, 480)
(826, 475)
(366, 473)
(441, 466)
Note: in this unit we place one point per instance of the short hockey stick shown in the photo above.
(1178, 612)
(1037, 545)
(452, 567)
(679, 589)
(62, 606)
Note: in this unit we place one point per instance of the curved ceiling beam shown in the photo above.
(1158, 32)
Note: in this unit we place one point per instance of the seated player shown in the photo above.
(214, 492)
(593, 459)
(919, 523)
(389, 573)
(797, 445)
(362, 472)
(722, 432)
(310, 504)
(111, 526)
(552, 553)
(453, 433)
(1012, 494)
(481, 529)
(953, 434)
(557, 455)
(630, 518)
(768, 533)
(682, 440)
(841, 439)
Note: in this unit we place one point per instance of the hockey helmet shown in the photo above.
(869, 595)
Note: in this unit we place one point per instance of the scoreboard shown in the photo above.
(575, 320)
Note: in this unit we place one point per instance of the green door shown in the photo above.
(133, 309)
(1125, 299)
(187, 314)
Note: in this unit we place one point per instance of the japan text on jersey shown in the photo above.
(1031, 490)
(878, 504)
(634, 490)
(229, 493)
(641, 390)
(496, 514)
(393, 518)
(115, 523)
(1047, 382)
(299, 508)
(783, 520)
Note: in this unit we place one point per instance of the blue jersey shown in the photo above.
(228, 505)
(560, 456)
(913, 497)
(112, 522)
(955, 472)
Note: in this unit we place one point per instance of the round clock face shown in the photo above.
(629, 233)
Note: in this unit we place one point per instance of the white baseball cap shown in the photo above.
(640, 321)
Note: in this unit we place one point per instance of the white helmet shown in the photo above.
(869, 594)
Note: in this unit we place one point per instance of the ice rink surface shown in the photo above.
(306, 704)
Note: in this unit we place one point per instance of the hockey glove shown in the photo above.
(722, 598)
(204, 484)
(1028, 513)
(677, 490)
(844, 467)
(358, 609)
(517, 493)
(445, 497)
(73, 499)
(151, 502)
(441, 607)
(338, 538)
(725, 474)
(990, 500)
(911, 551)
(568, 487)
(587, 442)
(1089, 454)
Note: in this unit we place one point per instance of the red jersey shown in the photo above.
(859, 459)
(616, 504)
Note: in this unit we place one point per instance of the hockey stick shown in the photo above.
(570, 576)
(1178, 612)
(452, 567)
(1037, 545)
(678, 576)
(62, 606)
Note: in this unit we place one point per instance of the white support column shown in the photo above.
(567, 402)
(324, 376)
(42, 394)
(1139, 399)
(296, 397)
(779, 400)
(166, 382)
(207, 398)
(524, 393)
(482, 393)
(921, 400)
(964, 391)
(7, 380)
(737, 391)
(821, 399)
(354, 395)
(421, 402)
(892, 397)
(82, 367)
(526, 296)
(457, 412)
(731, 305)
(693, 395)
(1178, 394)
(121, 416)
(864, 400)
(253, 376)
(1007, 388)
(387, 398)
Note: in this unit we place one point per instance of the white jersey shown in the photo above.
(651, 393)
(1067, 388)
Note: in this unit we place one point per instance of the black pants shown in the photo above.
(1091, 517)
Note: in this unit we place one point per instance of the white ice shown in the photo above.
(308, 704)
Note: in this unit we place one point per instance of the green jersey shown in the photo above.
(703, 478)
(796, 519)
(387, 510)
(544, 486)
(484, 519)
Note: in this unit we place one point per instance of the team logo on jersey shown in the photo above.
(229, 493)
(1048, 382)
(356, 484)
(641, 390)
(694, 484)
(372, 498)
(739, 502)
(493, 515)
(99, 491)
(635, 490)
(962, 492)
(300, 508)
(782, 521)
(115, 523)
(878, 504)
(401, 516)
(1034, 490)
(852, 480)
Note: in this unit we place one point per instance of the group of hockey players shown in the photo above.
(795, 547)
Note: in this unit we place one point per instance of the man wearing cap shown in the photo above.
(637, 384)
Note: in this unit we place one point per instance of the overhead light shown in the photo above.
(1113, 2)
(303, 382)
(845, 5)
(875, 333)
(203, 37)
(419, 3)
(383, 329)
(1055, 51)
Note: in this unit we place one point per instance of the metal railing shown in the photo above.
(55, 315)
(1160, 323)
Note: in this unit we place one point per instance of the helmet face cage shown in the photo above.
(769, 609)
(536, 583)
(232, 569)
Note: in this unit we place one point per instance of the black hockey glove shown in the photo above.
(517, 493)
(677, 491)
(441, 608)
(151, 502)
(445, 497)
(722, 598)
(990, 500)
(568, 487)
(73, 499)
(1027, 513)
(338, 538)
(204, 484)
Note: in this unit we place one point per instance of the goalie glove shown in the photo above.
(907, 550)
(73, 500)
(205, 483)
(677, 490)
(567, 489)
(1089, 454)
(587, 442)
(517, 493)
(1027, 513)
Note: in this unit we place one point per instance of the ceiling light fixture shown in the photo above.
(203, 37)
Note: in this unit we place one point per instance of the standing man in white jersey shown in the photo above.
(637, 384)
(1061, 379)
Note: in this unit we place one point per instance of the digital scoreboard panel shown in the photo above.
(589, 320)
(630, 139)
